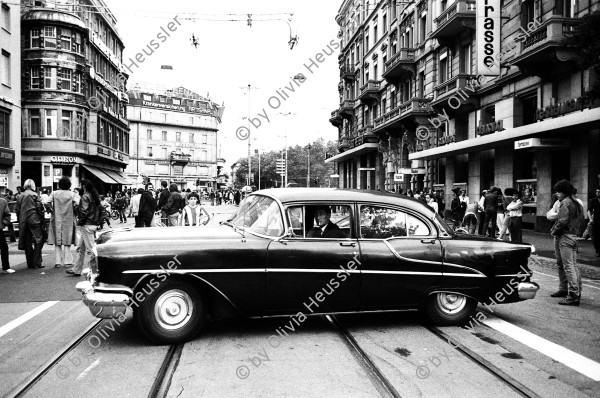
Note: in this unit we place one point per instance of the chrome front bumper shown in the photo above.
(107, 301)
(527, 290)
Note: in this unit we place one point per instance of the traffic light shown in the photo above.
(280, 163)
(198, 182)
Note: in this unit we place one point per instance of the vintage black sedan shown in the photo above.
(300, 252)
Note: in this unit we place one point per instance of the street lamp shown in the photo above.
(308, 173)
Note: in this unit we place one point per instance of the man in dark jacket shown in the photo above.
(490, 207)
(325, 228)
(4, 220)
(565, 230)
(147, 209)
(30, 212)
(173, 206)
(162, 201)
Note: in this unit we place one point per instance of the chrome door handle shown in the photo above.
(429, 241)
(353, 244)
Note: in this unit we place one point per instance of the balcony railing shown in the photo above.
(401, 62)
(451, 20)
(461, 81)
(347, 108)
(336, 118)
(370, 90)
(347, 73)
(553, 31)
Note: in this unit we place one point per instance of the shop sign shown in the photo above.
(366, 169)
(572, 105)
(489, 128)
(170, 106)
(542, 143)
(3, 181)
(156, 161)
(58, 173)
(417, 170)
(63, 159)
(447, 139)
(7, 157)
(398, 177)
(334, 176)
(404, 171)
(488, 36)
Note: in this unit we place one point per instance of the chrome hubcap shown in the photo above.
(451, 303)
(173, 309)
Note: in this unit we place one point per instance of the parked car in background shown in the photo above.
(270, 259)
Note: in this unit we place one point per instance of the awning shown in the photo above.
(105, 178)
(359, 150)
(587, 118)
(117, 176)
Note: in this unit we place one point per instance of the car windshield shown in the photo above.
(259, 214)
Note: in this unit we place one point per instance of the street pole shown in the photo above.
(259, 169)
(249, 146)
(308, 174)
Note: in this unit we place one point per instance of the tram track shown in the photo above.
(21, 389)
(386, 388)
(494, 370)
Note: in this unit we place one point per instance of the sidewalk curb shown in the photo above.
(587, 271)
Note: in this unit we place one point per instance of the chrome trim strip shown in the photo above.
(515, 275)
(190, 271)
(315, 270)
(403, 273)
(465, 275)
(414, 260)
(464, 267)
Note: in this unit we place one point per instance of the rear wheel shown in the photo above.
(450, 309)
(173, 313)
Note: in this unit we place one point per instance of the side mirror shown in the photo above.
(288, 234)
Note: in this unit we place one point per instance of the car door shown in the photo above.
(401, 256)
(317, 274)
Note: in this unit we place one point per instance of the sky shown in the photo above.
(231, 55)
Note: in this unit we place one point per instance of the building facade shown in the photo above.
(10, 96)
(174, 138)
(74, 116)
(411, 76)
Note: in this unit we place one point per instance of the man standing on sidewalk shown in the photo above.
(594, 214)
(564, 230)
(4, 220)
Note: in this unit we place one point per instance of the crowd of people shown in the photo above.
(504, 212)
(76, 214)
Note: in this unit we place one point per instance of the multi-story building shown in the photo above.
(174, 137)
(74, 102)
(10, 95)
(412, 76)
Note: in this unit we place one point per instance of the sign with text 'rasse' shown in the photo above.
(488, 37)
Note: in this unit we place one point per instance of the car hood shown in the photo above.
(169, 234)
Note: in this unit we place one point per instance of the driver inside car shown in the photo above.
(325, 228)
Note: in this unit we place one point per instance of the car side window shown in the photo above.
(327, 221)
(382, 223)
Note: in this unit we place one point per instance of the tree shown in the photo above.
(297, 166)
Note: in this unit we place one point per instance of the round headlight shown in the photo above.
(532, 249)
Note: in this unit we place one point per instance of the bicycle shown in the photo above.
(114, 214)
(455, 226)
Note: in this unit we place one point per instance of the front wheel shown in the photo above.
(173, 313)
(450, 309)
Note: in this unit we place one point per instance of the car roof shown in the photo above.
(288, 195)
